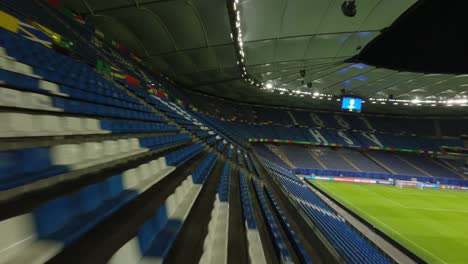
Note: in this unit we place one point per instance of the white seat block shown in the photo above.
(16, 124)
(128, 254)
(130, 178)
(154, 166)
(171, 204)
(37, 101)
(179, 194)
(3, 62)
(51, 87)
(124, 145)
(48, 124)
(4, 55)
(134, 144)
(92, 150)
(66, 154)
(110, 147)
(144, 172)
(10, 97)
(73, 125)
(91, 124)
(17, 233)
(162, 163)
(22, 68)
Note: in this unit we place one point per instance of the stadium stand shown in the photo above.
(255, 249)
(89, 132)
(328, 220)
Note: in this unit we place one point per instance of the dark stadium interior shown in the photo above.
(233, 131)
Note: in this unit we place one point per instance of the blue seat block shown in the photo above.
(66, 219)
(162, 243)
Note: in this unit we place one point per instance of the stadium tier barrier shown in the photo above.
(382, 176)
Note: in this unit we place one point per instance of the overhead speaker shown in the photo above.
(303, 73)
(349, 8)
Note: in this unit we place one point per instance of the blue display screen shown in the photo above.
(351, 104)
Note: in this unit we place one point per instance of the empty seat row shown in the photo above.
(297, 244)
(37, 236)
(240, 159)
(124, 126)
(162, 141)
(28, 100)
(193, 128)
(221, 145)
(156, 236)
(202, 134)
(95, 109)
(56, 67)
(28, 125)
(248, 161)
(24, 166)
(27, 83)
(254, 243)
(347, 241)
(181, 156)
(182, 121)
(211, 140)
(204, 168)
(281, 248)
(215, 246)
(59, 222)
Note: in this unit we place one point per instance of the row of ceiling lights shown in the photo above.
(417, 102)
(236, 35)
(237, 38)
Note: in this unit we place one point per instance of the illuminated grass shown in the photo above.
(431, 223)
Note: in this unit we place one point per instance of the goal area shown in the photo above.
(414, 184)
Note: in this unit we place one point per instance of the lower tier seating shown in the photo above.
(351, 245)
(215, 246)
(25, 166)
(255, 248)
(282, 250)
(36, 236)
(297, 244)
(157, 235)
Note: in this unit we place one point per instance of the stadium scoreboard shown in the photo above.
(351, 104)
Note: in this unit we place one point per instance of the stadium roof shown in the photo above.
(191, 42)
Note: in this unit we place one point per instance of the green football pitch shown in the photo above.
(431, 223)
